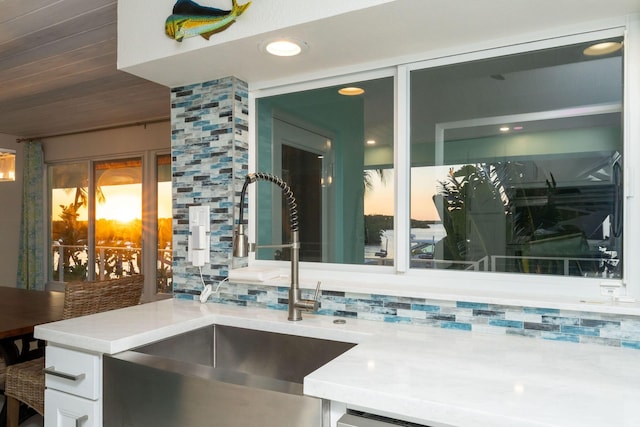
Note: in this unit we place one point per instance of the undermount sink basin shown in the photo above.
(219, 375)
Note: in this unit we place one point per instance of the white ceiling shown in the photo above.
(58, 57)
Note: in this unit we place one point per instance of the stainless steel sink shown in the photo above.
(217, 376)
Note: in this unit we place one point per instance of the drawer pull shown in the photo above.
(52, 371)
(81, 419)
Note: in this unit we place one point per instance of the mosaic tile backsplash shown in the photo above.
(209, 149)
(542, 323)
(209, 123)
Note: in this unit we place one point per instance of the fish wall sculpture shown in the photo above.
(189, 19)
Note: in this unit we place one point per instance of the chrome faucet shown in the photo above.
(241, 245)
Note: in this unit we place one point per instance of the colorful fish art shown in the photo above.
(189, 19)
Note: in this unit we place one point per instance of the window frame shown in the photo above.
(507, 288)
(149, 214)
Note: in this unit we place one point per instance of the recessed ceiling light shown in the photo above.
(504, 129)
(602, 48)
(284, 47)
(351, 91)
(371, 142)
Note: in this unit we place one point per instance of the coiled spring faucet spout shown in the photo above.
(241, 246)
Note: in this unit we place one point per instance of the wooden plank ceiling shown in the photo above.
(58, 70)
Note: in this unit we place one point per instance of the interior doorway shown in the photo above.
(302, 158)
(303, 171)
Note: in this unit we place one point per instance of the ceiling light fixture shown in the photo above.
(504, 129)
(7, 164)
(351, 91)
(604, 48)
(284, 47)
(371, 142)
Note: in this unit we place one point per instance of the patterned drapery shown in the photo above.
(32, 236)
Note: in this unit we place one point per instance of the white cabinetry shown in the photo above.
(73, 395)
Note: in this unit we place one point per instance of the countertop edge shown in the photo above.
(447, 378)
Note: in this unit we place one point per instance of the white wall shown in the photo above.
(100, 144)
(10, 199)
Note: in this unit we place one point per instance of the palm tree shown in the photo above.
(373, 232)
(73, 233)
(369, 174)
(467, 196)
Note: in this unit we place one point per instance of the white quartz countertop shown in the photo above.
(419, 373)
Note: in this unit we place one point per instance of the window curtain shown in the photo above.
(31, 254)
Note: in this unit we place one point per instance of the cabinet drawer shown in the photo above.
(73, 372)
(64, 410)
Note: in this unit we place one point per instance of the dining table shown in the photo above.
(20, 311)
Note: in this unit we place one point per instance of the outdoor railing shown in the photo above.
(560, 266)
(69, 263)
(569, 266)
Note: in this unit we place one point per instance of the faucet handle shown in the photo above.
(316, 295)
(297, 304)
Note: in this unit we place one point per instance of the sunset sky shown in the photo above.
(122, 202)
(423, 187)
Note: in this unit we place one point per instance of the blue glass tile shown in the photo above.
(542, 327)
(444, 317)
(384, 310)
(183, 296)
(506, 323)
(236, 302)
(326, 312)
(426, 307)
(609, 342)
(564, 321)
(331, 293)
(281, 307)
(523, 332)
(397, 319)
(456, 325)
(597, 323)
(578, 330)
(476, 305)
(488, 313)
(537, 310)
(631, 324)
(400, 305)
(560, 337)
(630, 344)
(342, 313)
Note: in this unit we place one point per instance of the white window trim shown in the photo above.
(149, 212)
(571, 293)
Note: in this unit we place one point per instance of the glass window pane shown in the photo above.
(332, 150)
(118, 229)
(516, 164)
(164, 276)
(69, 200)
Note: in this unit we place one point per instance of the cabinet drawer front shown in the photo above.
(64, 410)
(74, 372)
